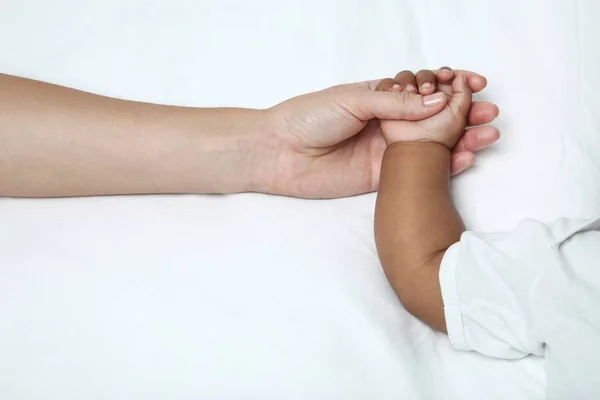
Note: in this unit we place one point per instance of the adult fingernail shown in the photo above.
(433, 99)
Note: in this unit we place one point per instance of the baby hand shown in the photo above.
(445, 127)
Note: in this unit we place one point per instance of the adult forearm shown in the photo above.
(415, 222)
(56, 141)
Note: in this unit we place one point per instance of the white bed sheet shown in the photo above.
(253, 296)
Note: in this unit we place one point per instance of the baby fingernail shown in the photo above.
(426, 86)
(411, 88)
(433, 99)
(395, 86)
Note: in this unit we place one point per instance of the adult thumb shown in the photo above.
(399, 105)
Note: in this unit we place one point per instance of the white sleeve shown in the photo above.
(534, 290)
(490, 287)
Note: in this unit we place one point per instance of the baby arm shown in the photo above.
(415, 222)
(415, 218)
(533, 290)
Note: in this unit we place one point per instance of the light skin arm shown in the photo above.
(415, 223)
(56, 141)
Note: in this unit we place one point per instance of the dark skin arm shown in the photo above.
(415, 223)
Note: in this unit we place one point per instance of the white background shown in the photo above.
(254, 296)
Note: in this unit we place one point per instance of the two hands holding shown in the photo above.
(58, 141)
(402, 137)
(331, 143)
(405, 139)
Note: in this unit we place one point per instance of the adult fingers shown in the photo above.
(461, 161)
(391, 105)
(476, 139)
(482, 112)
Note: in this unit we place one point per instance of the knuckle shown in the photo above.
(403, 97)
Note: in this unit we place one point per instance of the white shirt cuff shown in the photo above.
(452, 305)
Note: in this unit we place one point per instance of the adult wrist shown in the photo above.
(233, 156)
(267, 155)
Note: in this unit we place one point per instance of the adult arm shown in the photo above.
(56, 141)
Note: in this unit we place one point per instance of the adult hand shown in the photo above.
(329, 144)
(64, 142)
